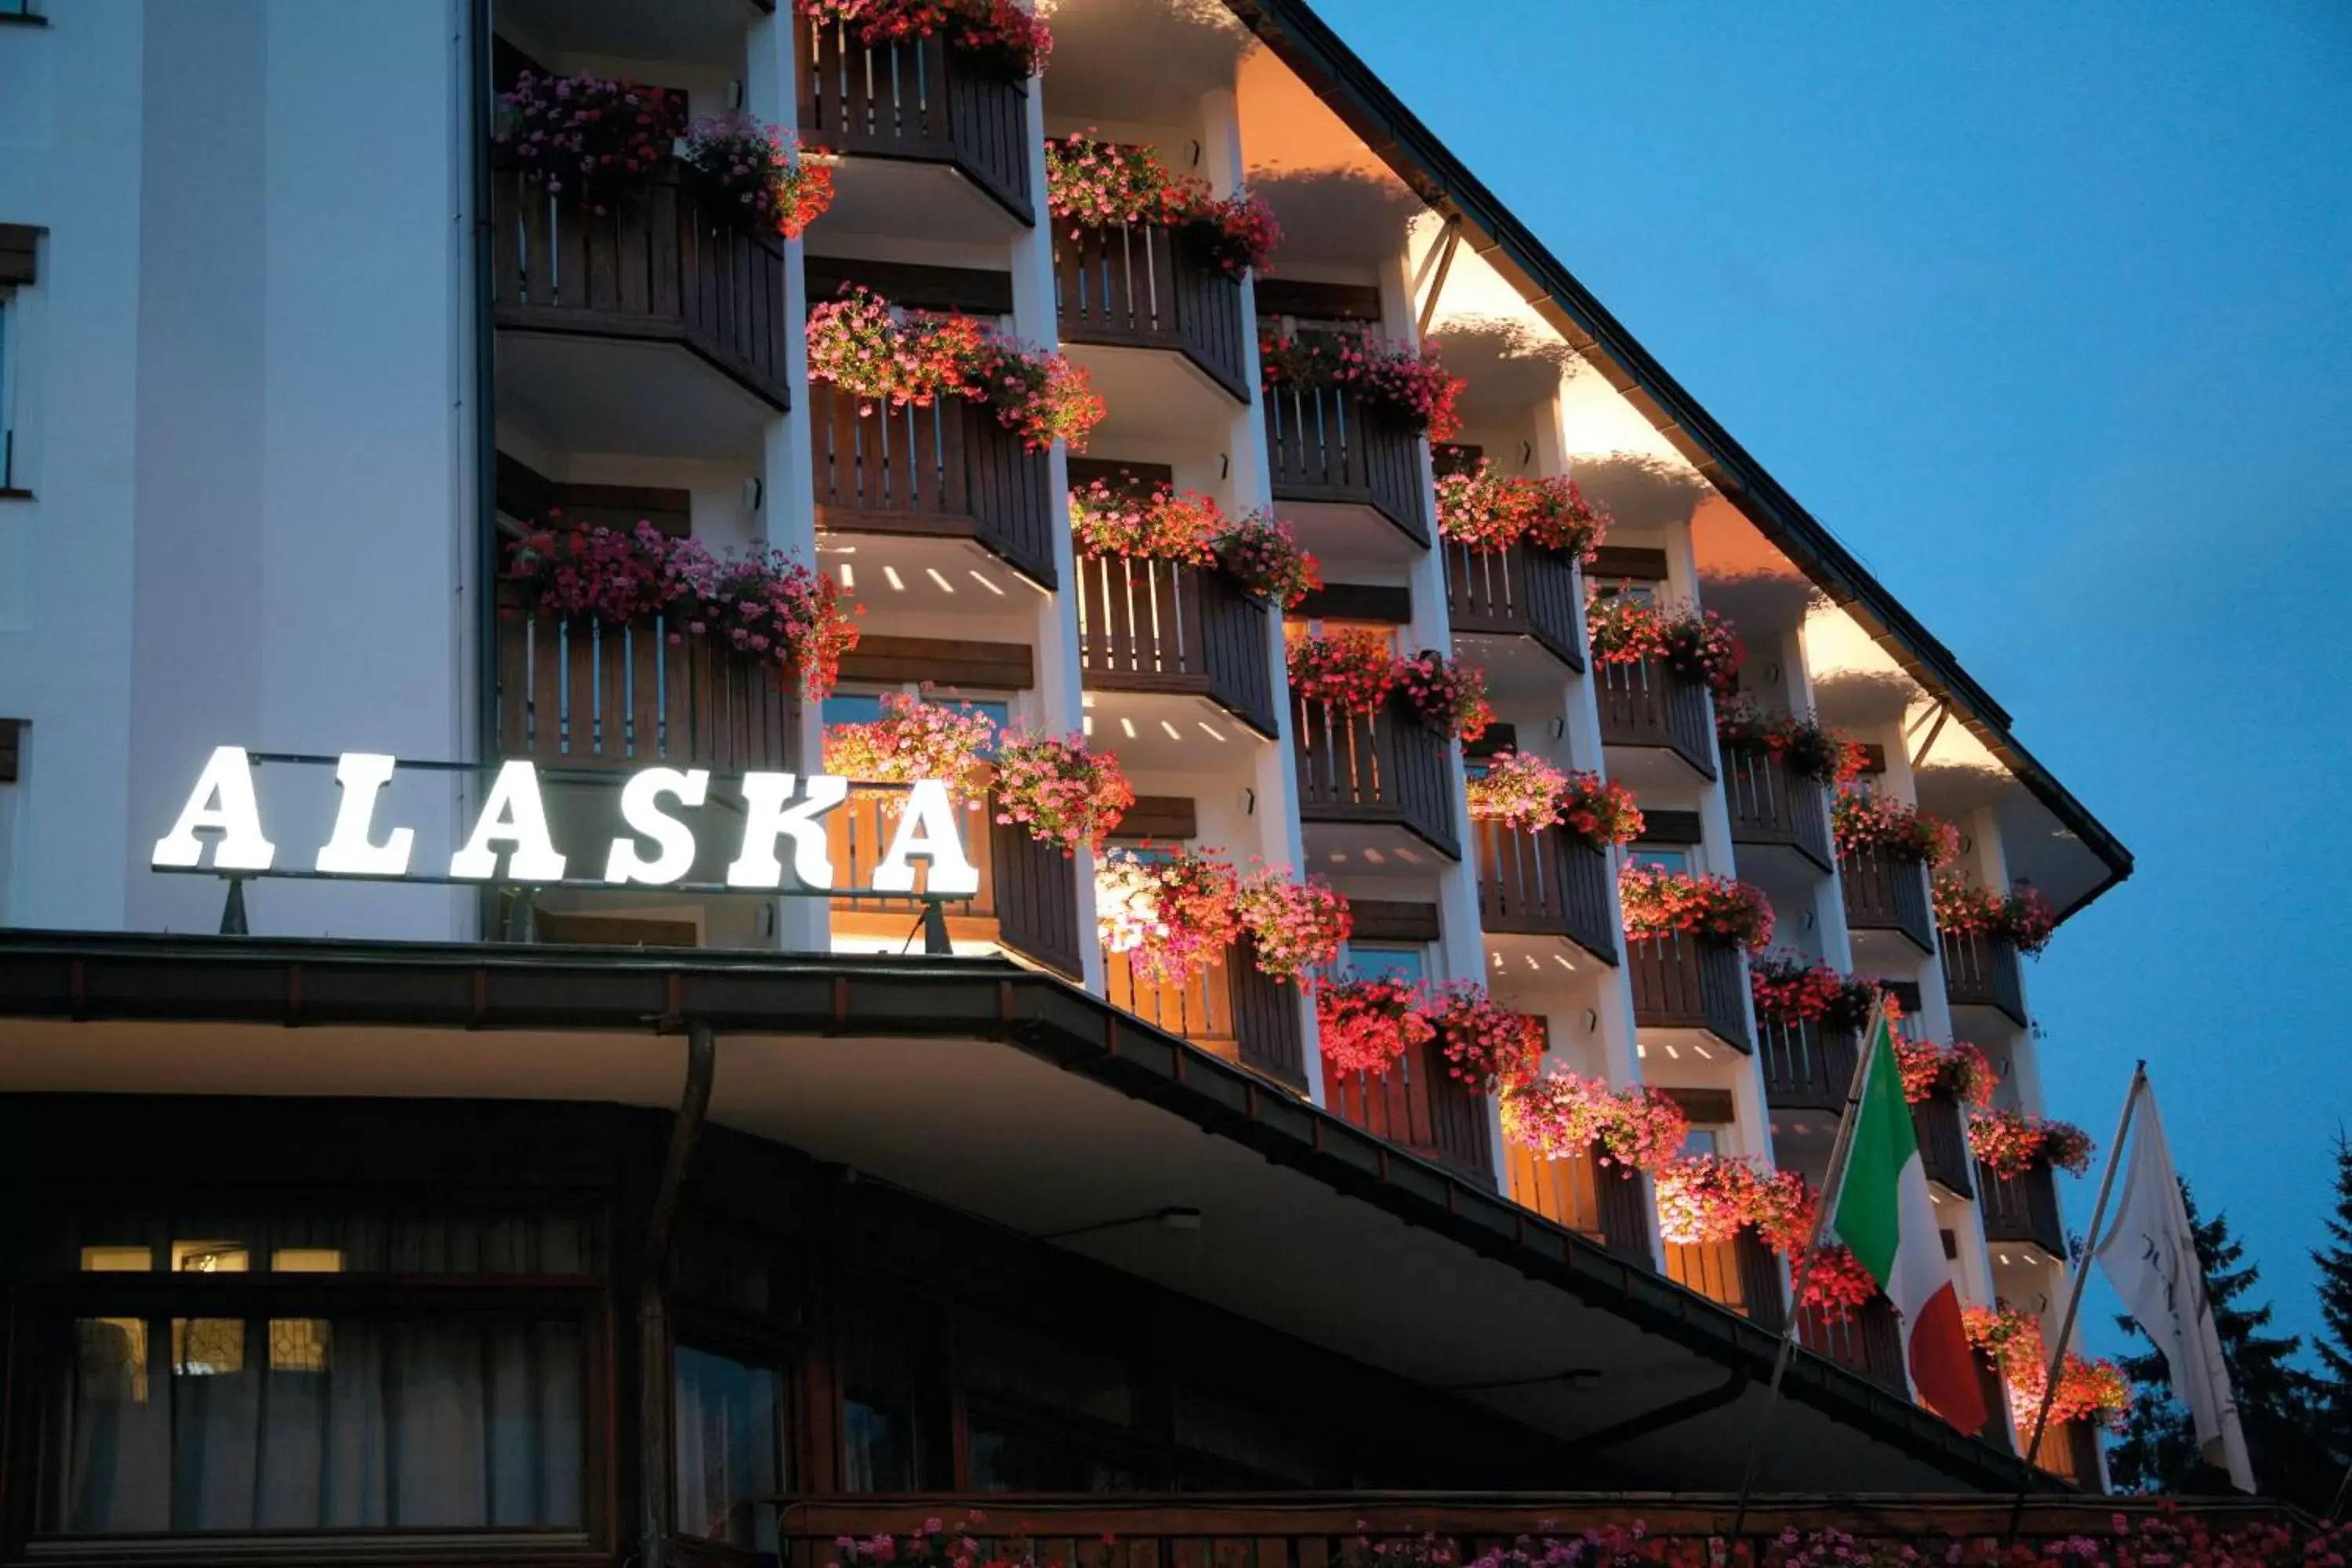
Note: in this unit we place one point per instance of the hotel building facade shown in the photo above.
(449, 1223)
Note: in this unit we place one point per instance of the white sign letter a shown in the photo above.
(512, 815)
(224, 801)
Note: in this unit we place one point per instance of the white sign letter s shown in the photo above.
(766, 818)
(223, 799)
(348, 852)
(641, 809)
(926, 830)
(512, 815)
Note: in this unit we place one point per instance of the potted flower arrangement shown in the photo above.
(1865, 823)
(1159, 524)
(586, 136)
(762, 605)
(1482, 511)
(1708, 1198)
(1409, 384)
(755, 171)
(1094, 183)
(2021, 916)
(1005, 39)
(1624, 630)
(1659, 903)
(1294, 927)
(857, 343)
(1563, 1114)
(2011, 1142)
(1059, 790)
(2088, 1390)
(1957, 1072)
(1803, 745)
(1599, 812)
(1353, 669)
(1789, 988)
(1448, 695)
(1520, 790)
(1262, 553)
(1836, 1285)
(1486, 1045)
(914, 739)
(1366, 1023)
(1172, 915)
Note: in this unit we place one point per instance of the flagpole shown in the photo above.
(1833, 1179)
(2074, 1297)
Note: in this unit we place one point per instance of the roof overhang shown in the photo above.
(1019, 1098)
(1397, 136)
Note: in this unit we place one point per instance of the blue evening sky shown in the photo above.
(2047, 312)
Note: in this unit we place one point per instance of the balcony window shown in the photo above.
(1682, 862)
(1410, 964)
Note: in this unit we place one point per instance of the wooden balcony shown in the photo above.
(1163, 627)
(1324, 447)
(1740, 1274)
(1883, 893)
(1230, 1009)
(2069, 1450)
(2022, 1208)
(657, 267)
(1807, 1067)
(1646, 704)
(582, 694)
(1544, 883)
(1028, 897)
(1867, 1340)
(918, 101)
(1609, 1203)
(1519, 592)
(1147, 286)
(1774, 806)
(1943, 1137)
(1422, 1107)
(950, 471)
(1382, 769)
(1688, 983)
(1980, 970)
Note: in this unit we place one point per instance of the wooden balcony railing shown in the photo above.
(950, 471)
(1028, 897)
(2022, 1208)
(1544, 883)
(1519, 592)
(1980, 970)
(1806, 1068)
(1883, 893)
(1385, 767)
(1867, 1340)
(1147, 286)
(1773, 804)
(1419, 1105)
(1740, 1274)
(2069, 1450)
(582, 694)
(1688, 983)
(1159, 625)
(1944, 1144)
(1644, 704)
(656, 265)
(1325, 445)
(1231, 1009)
(1609, 1203)
(920, 100)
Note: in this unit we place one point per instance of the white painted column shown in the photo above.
(1829, 894)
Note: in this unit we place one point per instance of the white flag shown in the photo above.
(2150, 1257)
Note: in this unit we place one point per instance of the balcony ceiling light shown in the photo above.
(933, 573)
(986, 582)
(897, 584)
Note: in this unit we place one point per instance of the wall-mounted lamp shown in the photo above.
(1805, 919)
(1968, 843)
(1526, 453)
(1196, 154)
(734, 95)
(1249, 801)
(1591, 1021)
(755, 491)
(1559, 726)
(1771, 672)
(1224, 465)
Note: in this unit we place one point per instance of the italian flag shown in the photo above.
(1884, 1216)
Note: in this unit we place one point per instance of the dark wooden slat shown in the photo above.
(1357, 602)
(972, 290)
(19, 243)
(1165, 818)
(12, 749)
(1629, 563)
(1318, 302)
(1393, 920)
(949, 662)
(1679, 829)
(1686, 983)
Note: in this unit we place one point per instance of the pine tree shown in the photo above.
(2333, 1404)
(2158, 1450)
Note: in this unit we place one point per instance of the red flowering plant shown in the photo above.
(1790, 988)
(1486, 1045)
(1094, 183)
(585, 136)
(1035, 393)
(1959, 1072)
(1449, 695)
(1407, 382)
(1836, 1285)
(1294, 927)
(755, 170)
(1562, 1115)
(2022, 917)
(1518, 789)
(2011, 1142)
(914, 739)
(1353, 669)
(1623, 628)
(2088, 1390)
(1172, 913)
(1866, 823)
(1058, 789)
(1659, 903)
(1599, 812)
(1366, 1024)
(1134, 524)
(1263, 554)
(858, 343)
(1802, 744)
(1003, 39)
(1483, 511)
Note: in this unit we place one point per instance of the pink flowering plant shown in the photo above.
(1263, 553)
(1134, 523)
(1959, 1072)
(2021, 916)
(915, 738)
(1707, 1199)
(1483, 511)
(1366, 1023)
(1486, 1045)
(1518, 789)
(1091, 183)
(588, 136)
(1059, 790)
(1599, 812)
(1864, 821)
(1789, 988)
(1410, 383)
(1448, 694)
(755, 171)
(1294, 927)
(1659, 903)
(2088, 1390)
(858, 343)
(1624, 629)
(2011, 1142)
(1352, 668)
(1172, 914)
(1005, 40)
(1799, 742)
(1563, 1115)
